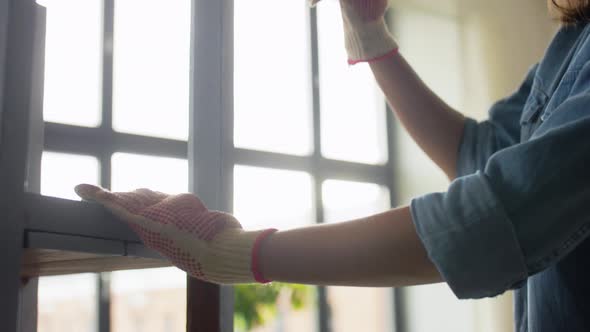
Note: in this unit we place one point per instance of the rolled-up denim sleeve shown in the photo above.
(500, 130)
(527, 209)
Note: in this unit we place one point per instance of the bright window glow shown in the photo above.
(265, 197)
(345, 200)
(147, 279)
(61, 172)
(272, 88)
(150, 299)
(67, 303)
(151, 67)
(353, 121)
(356, 309)
(73, 55)
(134, 171)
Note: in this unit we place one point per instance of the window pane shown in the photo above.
(372, 309)
(345, 200)
(133, 171)
(151, 298)
(67, 303)
(272, 73)
(353, 121)
(148, 300)
(151, 67)
(61, 172)
(275, 307)
(265, 197)
(73, 57)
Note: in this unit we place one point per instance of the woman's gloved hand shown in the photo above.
(208, 245)
(366, 35)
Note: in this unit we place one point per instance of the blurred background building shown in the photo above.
(469, 52)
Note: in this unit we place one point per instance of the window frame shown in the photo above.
(211, 114)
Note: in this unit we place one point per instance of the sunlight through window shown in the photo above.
(67, 303)
(272, 73)
(353, 120)
(148, 300)
(345, 200)
(73, 57)
(151, 67)
(61, 172)
(134, 171)
(265, 197)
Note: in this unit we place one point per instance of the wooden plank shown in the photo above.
(36, 240)
(46, 262)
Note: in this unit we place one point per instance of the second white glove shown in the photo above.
(366, 35)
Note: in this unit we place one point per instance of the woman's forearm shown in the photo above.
(378, 251)
(434, 125)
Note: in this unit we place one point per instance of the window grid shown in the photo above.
(103, 142)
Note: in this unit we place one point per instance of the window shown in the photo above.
(305, 150)
(283, 176)
(114, 68)
(353, 125)
(151, 67)
(71, 311)
(55, 181)
(152, 297)
(272, 94)
(73, 62)
(372, 309)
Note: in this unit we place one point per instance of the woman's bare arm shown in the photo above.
(378, 251)
(434, 125)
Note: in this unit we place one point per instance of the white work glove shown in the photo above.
(208, 245)
(366, 35)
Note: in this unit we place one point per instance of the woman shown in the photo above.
(513, 217)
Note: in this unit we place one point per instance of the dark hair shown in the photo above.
(576, 11)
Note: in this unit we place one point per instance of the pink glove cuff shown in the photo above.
(255, 257)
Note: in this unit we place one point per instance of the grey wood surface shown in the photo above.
(4, 5)
(19, 31)
(27, 307)
(63, 216)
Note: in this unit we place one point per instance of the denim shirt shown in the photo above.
(518, 215)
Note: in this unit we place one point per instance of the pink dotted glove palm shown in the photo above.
(366, 35)
(208, 245)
